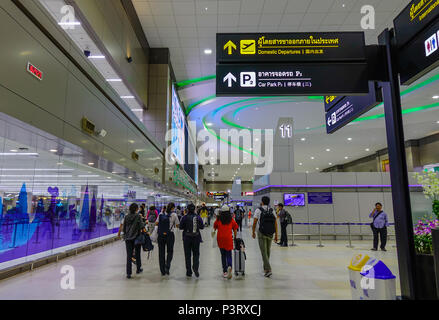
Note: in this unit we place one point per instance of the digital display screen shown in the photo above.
(294, 199)
(178, 136)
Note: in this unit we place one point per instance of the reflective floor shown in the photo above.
(301, 272)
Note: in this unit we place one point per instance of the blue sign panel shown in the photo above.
(319, 197)
(350, 108)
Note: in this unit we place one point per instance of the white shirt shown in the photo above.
(173, 220)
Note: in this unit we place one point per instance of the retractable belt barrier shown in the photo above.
(319, 224)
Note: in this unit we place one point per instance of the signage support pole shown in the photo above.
(398, 173)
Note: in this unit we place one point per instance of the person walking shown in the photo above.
(151, 218)
(265, 221)
(166, 223)
(239, 215)
(379, 226)
(204, 213)
(132, 226)
(283, 219)
(225, 224)
(142, 210)
(191, 224)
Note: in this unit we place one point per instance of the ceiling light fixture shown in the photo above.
(349, 139)
(114, 80)
(53, 150)
(302, 139)
(435, 97)
(96, 57)
(367, 149)
(72, 23)
(91, 164)
(346, 158)
(328, 150)
(312, 158)
(330, 163)
(207, 51)
(127, 97)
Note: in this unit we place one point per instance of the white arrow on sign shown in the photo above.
(230, 78)
(329, 122)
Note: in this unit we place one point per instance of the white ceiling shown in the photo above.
(188, 27)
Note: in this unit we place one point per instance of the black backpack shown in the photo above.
(267, 222)
(191, 226)
(238, 214)
(164, 226)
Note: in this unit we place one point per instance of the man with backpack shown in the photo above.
(191, 224)
(239, 215)
(285, 220)
(265, 221)
(166, 222)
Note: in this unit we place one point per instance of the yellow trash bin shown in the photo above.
(355, 267)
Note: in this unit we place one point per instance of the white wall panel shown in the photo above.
(344, 178)
(345, 210)
(293, 178)
(369, 178)
(321, 213)
(319, 179)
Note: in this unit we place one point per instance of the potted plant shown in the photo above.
(430, 184)
(425, 273)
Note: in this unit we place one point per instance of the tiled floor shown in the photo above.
(301, 272)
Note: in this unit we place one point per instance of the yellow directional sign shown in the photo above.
(329, 99)
(229, 46)
(248, 46)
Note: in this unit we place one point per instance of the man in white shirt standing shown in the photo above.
(265, 221)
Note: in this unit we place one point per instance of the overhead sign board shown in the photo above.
(291, 47)
(416, 16)
(291, 79)
(351, 107)
(420, 55)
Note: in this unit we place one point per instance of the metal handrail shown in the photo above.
(320, 235)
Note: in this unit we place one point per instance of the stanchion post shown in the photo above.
(292, 235)
(320, 236)
(349, 235)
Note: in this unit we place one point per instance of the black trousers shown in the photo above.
(283, 233)
(239, 222)
(191, 249)
(130, 248)
(166, 242)
(382, 233)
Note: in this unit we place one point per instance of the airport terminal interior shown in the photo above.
(327, 108)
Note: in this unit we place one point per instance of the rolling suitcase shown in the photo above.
(239, 257)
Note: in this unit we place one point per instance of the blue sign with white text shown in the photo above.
(319, 197)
